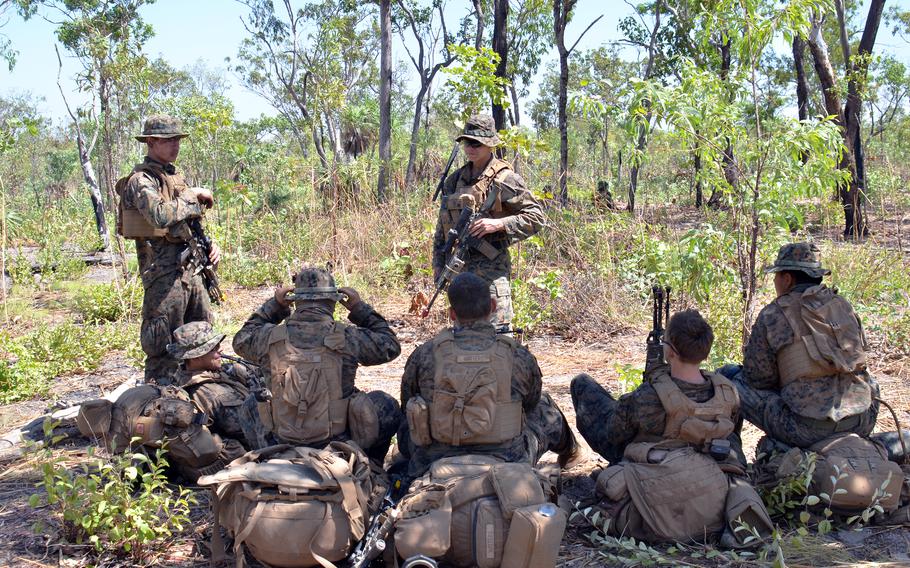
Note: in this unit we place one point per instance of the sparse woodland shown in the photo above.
(684, 153)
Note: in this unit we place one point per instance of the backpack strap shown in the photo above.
(353, 501)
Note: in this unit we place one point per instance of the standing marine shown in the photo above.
(155, 205)
(312, 362)
(514, 214)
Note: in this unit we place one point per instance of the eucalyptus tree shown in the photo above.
(308, 63)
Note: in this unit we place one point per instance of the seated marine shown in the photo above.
(804, 374)
(220, 390)
(676, 470)
(654, 411)
(471, 390)
(312, 362)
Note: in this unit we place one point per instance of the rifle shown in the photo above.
(255, 432)
(445, 172)
(373, 542)
(198, 250)
(660, 315)
(459, 240)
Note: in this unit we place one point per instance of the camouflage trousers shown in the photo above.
(593, 405)
(501, 289)
(169, 302)
(546, 429)
(768, 411)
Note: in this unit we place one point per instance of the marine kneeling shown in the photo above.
(476, 424)
(676, 473)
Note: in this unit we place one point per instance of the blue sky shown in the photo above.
(190, 31)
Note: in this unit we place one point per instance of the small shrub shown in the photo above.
(122, 504)
(110, 302)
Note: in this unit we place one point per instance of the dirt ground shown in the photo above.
(20, 545)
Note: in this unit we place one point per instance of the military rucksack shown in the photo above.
(856, 473)
(472, 396)
(292, 506)
(308, 405)
(478, 511)
(147, 416)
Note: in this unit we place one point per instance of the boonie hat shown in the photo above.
(161, 126)
(801, 257)
(194, 339)
(481, 128)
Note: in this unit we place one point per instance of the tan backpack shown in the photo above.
(292, 507)
(856, 474)
(472, 395)
(148, 416)
(829, 338)
(479, 511)
(307, 402)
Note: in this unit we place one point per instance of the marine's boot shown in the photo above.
(569, 452)
(896, 452)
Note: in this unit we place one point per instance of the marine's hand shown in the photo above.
(215, 254)
(353, 298)
(204, 196)
(486, 226)
(281, 295)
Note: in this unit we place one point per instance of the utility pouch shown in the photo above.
(534, 536)
(516, 486)
(745, 512)
(195, 446)
(490, 529)
(94, 418)
(418, 414)
(176, 413)
(611, 483)
(149, 430)
(425, 524)
(363, 420)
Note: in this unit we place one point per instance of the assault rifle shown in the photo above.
(198, 251)
(660, 315)
(459, 240)
(250, 420)
(445, 172)
(373, 542)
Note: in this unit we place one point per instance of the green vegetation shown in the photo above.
(121, 505)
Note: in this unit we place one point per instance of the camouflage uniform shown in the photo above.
(545, 426)
(370, 341)
(609, 425)
(219, 394)
(804, 411)
(522, 214)
(173, 294)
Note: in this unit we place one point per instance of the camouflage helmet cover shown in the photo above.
(802, 257)
(313, 283)
(481, 128)
(194, 339)
(161, 126)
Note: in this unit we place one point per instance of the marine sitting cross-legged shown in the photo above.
(804, 383)
(675, 459)
(803, 380)
(477, 422)
(507, 415)
(312, 361)
(220, 390)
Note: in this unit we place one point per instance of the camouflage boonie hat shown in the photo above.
(194, 339)
(161, 126)
(315, 284)
(481, 128)
(801, 257)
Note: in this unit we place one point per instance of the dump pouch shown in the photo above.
(425, 523)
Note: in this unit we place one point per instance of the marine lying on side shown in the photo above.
(475, 424)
